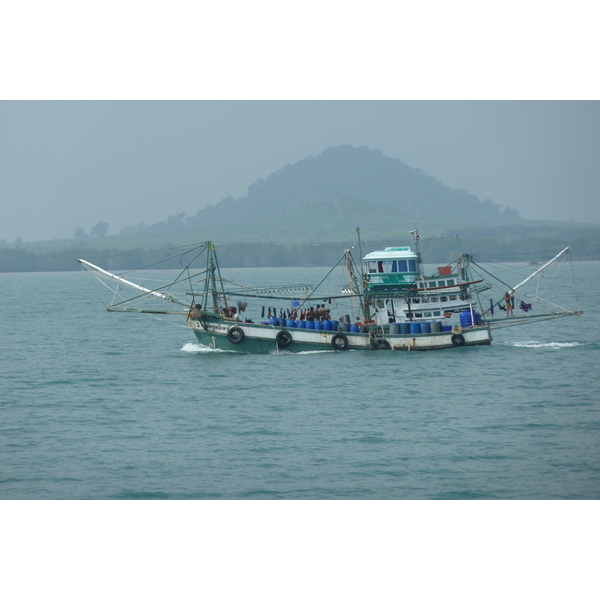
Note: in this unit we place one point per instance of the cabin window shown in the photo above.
(421, 285)
(394, 267)
(412, 266)
(380, 266)
(437, 313)
(402, 266)
(372, 266)
(432, 284)
(441, 283)
(450, 282)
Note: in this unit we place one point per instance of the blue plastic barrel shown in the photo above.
(425, 327)
(354, 328)
(290, 323)
(326, 325)
(274, 321)
(446, 327)
(415, 328)
(301, 324)
(318, 325)
(465, 318)
(334, 325)
(310, 324)
(404, 328)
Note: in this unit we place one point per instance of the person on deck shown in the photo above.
(230, 312)
(509, 301)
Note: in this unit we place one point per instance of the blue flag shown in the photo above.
(525, 307)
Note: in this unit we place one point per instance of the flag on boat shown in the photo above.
(525, 307)
(417, 236)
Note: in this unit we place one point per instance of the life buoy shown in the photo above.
(283, 338)
(235, 335)
(339, 337)
(382, 344)
(458, 340)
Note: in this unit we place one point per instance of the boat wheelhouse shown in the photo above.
(401, 292)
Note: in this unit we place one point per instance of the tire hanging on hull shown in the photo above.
(458, 340)
(283, 339)
(339, 337)
(235, 335)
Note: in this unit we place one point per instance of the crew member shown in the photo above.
(509, 301)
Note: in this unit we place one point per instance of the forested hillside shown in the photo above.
(306, 213)
(375, 187)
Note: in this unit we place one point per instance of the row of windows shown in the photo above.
(434, 299)
(433, 284)
(392, 266)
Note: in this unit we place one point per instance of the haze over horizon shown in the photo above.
(69, 164)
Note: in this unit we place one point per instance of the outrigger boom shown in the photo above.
(92, 267)
(561, 253)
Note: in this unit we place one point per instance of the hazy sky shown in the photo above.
(71, 164)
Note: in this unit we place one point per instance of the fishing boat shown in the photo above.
(387, 302)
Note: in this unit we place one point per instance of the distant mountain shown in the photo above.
(306, 213)
(343, 183)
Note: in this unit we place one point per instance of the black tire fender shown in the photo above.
(382, 344)
(235, 335)
(337, 338)
(283, 338)
(458, 340)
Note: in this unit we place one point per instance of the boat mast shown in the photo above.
(353, 283)
(365, 283)
(417, 237)
(211, 268)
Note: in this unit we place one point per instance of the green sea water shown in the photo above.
(97, 405)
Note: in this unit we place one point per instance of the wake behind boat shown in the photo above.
(385, 303)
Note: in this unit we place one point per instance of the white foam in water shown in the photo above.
(312, 351)
(197, 348)
(552, 345)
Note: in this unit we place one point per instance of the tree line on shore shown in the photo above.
(511, 244)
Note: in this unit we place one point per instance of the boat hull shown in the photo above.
(262, 339)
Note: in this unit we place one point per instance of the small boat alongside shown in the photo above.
(387, 302)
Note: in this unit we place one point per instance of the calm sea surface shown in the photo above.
(97, 405)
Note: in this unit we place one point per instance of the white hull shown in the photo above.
(264, 338)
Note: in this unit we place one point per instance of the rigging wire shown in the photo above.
(491, 275)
